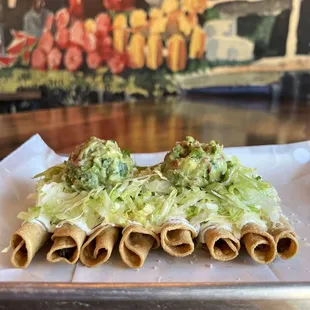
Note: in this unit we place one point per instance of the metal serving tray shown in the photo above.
(155, 296)
(173, 295)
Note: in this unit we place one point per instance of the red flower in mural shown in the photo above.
(119, 5)
(104, 25)
(46, 42)
(73, 58)
(90, 42)
(62, 38)
(54, 59)
(106, 41)
(93, 60)
(105, 48)
(62, 18)
(77, 8)
(118, 62)
(38, 59)
(77, 33)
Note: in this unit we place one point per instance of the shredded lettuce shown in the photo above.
(150, 199)
(32, 214)
(53, 174)
(56, 203)
(249, 191)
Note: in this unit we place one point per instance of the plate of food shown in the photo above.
(195, 214)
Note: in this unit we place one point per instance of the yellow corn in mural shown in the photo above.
(194, 6)
(136, 51)
(138, 18)
(154, 51)
(197, 43)
(120, 33)
(177, 53)
(184, 24)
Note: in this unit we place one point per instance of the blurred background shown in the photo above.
(149, 72)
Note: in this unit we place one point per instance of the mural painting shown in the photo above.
(145, 48)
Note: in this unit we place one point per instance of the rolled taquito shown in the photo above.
(286, 240)
(221, 243)
(67, 243)
(259, 244)
(177, 238)
(26, 242)
(136, 244)
(99, 246)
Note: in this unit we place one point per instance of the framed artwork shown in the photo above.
(150, 47)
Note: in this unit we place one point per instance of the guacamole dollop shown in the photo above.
(98, 163)
(191, 163)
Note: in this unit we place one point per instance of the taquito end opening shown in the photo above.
(66, 250)
(135, 247)
(261, 248)
(176, 242)
(287, 248)
(225, 249)
(222, 244)
(20, 252)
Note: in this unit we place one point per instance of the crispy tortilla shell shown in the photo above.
(222, 244)
(68, 240)
(285, 239)
(136, 244)
(26, 242)
(259, 244)
(177, 239)
(99, 246)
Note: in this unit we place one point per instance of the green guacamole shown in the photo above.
(98, 163)
(191, 163)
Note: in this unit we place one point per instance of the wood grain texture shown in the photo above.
(149, 126)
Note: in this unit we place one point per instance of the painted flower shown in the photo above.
(138, 18)
(118, 62)
(119, 5)
(170, 6)
(194, 6)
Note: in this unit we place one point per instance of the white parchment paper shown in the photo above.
(286, 166)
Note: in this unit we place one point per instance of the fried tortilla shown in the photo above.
(136, 244)
(68, 240)
(221, 243)
(259, 243)
(177, 239)
(26, 242)
(99, 246)
(285, 239)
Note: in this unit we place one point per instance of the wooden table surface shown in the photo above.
(149, 126)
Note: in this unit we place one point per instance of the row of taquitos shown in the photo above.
(70, 243)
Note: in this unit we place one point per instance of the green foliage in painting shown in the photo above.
(258, 29)
(146, 83)
(211, 14)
